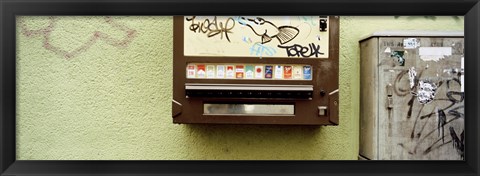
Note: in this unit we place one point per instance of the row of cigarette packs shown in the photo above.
(249, 71)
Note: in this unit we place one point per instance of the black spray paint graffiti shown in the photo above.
(213, 27)
(267, 30)
(442, 121)
(302, 51)
(424, 91)
(458, 143)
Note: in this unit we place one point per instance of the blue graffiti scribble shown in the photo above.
(246, 40)
(309, 20)
(259, 49)
(241, 20)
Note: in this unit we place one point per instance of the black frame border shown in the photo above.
(11, 8)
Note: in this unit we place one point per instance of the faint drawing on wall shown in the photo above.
(51, 29)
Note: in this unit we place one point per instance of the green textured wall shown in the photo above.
(101, 88)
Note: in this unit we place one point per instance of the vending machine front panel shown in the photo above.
(256, 70)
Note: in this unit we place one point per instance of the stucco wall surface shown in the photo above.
(100, 88)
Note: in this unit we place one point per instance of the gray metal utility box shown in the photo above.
(412, 96)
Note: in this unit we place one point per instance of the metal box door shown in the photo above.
(419, 101)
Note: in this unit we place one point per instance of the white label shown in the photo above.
(388, 50)
(434, 53)
(410, 43)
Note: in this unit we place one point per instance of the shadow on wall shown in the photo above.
(260, 142)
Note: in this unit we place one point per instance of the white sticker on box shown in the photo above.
(434, 53)
(411, 43)
(388, 50)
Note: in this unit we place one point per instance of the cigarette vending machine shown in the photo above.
(256, 70)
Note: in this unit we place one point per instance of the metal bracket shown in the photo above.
(333, 104)
(176, 108)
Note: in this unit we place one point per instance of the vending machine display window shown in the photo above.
(256, 70)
